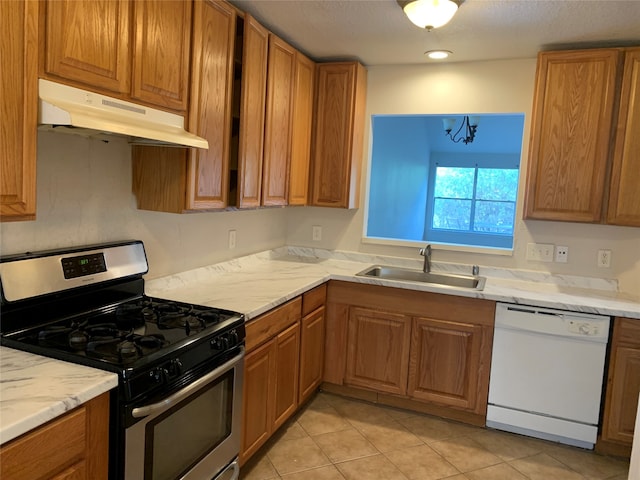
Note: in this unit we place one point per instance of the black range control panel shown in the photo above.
(83, 265)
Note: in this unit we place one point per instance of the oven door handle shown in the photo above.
(147, 410)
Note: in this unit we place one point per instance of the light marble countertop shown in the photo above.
(257, 283)
(35, 389)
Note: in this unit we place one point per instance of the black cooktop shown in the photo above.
(123, 335)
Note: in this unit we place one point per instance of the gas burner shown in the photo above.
(130, 315)
(180, 320)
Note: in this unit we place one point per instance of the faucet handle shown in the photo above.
(425, 251)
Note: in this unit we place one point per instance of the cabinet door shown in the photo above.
(89, 43)
(162, 44)
(301, 133)
(311, 353)
(258, 398)
(444, 362)
(338, 136)
(623, 383)
(378, 350)
(252, 113)
(571, 134)
(286, 374)
(18, 109)
(624, 201)
(214, 29)
(277, 140)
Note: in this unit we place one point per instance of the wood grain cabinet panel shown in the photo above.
(444, 362)
(162, 45)
(378, 350)
(338, 135)
(624, 201)
(272, 365)
(89, 43)
(623, 388)
(312, 337)
(214, 29)
(72, 446)
(279, 115)
(18, 109)
(571, 133)
(252, 113)
(301, 130)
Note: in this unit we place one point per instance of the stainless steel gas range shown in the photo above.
(176, 411)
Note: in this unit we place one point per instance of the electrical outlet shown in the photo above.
(540, 252)
(232, 239)
(562, 254)
(316, 233)
(604, 258)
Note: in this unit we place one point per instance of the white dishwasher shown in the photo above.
(547, 372)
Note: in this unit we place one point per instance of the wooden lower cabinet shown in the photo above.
(623, 388)
(271, 374)
(72, 446)
(312, 334)
(444, 362)
(416, 350)
(377, 350)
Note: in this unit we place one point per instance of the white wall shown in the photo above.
(482, 87)
(84, 197)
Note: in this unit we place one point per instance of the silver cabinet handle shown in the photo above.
(147, 410)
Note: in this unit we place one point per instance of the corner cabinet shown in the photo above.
(18, 109)
(338, 135)
(624, 201)
(414, 350)
(623, 388)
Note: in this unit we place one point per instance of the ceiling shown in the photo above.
(377, 32)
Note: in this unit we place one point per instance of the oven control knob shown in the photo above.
(157, 375)
(233, 338)
(175, 367)
(217, 344)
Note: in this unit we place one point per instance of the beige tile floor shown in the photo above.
(334, 438)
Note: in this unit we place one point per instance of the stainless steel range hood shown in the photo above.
(81, 109)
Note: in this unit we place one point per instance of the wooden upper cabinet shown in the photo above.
(624, 201)
(88, 43)
(279, 114)
(301, 130)
(252, 113)
(214, 27)
(162, 43)
(18, 109)
(571, 133)
(338, 135)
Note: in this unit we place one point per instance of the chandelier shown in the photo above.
(430, 13)
(469, 124)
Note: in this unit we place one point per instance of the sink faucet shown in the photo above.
(426, 253)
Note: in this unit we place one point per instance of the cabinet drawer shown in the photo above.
(627, 332)
(270, 324)
(17, 457)
(314, 299)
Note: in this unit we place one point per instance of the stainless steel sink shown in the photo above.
(409, 275)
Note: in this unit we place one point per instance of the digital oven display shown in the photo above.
(83, 265)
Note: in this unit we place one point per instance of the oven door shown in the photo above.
(193, 433)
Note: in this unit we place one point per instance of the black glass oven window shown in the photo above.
(185, 434)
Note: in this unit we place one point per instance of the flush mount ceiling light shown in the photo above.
(430, 13)
(470, 124)
(438, 54)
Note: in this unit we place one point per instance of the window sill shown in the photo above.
(507, 252)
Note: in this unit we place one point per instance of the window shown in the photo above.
(425, 188)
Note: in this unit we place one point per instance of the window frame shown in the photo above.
(469, 238)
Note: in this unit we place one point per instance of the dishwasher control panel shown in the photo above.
(584, 328)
